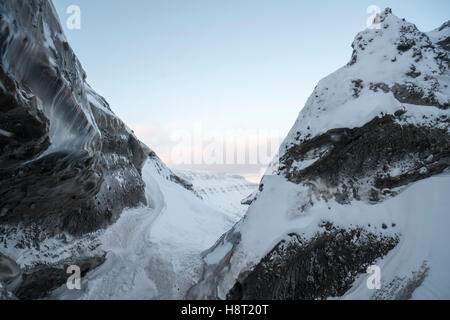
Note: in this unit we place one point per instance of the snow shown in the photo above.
(48, 41)
(221, 190)
(5, 294)
(154, 252)
(440, 33)
(5, 133)
(333, 103)
(51, 250)
(96, 101)
(419, 215)
(217, 255)
(423, 221)
(300, 165)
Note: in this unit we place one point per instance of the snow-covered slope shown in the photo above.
(220, 190)
(154, 252)
(362, 179)
(417, 267)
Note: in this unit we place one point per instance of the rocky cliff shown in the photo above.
(361, 180)
(68, 165)
(67, 162)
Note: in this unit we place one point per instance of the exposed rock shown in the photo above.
(9, 269)
(317, 268)
(67, 162)
(42, 279)
(212, 274)
(24, 126)
(352, 157)
(5, 294)
(68, 165)
(442, 39)
(402, 288)
(411, 93)
(358, 85)
(183, 182)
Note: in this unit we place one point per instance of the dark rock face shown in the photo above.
(5, 294)
(48, 188)
(410, 93)
(350, 158)
(445, 41)
(20, 142)
(66, 161)
(9, 269)
(43, 279)
(321, 267)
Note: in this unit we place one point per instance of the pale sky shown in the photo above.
(171, 68)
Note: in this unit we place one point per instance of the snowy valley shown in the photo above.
(361, 179)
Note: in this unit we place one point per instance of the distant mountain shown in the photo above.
(362, 179)
(220, 190)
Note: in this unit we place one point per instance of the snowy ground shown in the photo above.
(154, 252)
(422, 255)
(419, 215)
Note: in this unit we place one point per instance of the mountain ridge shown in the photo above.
(370, 136)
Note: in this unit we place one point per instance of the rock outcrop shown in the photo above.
(68, 165)
(9, 271)
(369, 130)
(67, 162)
(321, 267)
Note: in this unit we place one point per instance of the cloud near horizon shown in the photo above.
(194, 146)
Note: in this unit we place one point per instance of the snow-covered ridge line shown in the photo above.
(384, 60)
(368, 155)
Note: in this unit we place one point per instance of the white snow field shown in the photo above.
(419, 215)
(221, 190)
(423, 253)
(154, 252)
